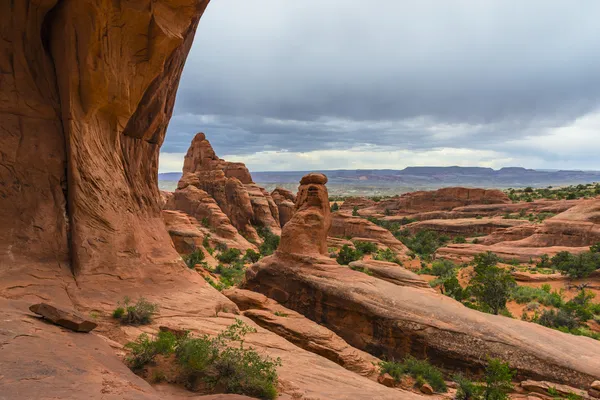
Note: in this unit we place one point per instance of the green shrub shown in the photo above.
(443, 267)
(194, 258)
(492, 286)
(216, 363)
(270, 241)
(214, 284)
(118, 313)
(558, 319)
(139, 313)
(206, 222)
(576, 266)
(387, 255)
(424, 242)
(335, 207)
(229, 256)
(144, 350)
(347, 254)
(231, 275)
(251, 256)
(355, 211)
(459, 240)
(206, 242)
(415, 368)
(498, 380)
(467, 390)
(365, 247)
(526, 294)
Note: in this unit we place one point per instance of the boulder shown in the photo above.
(427, 389)
(65, 318)
(386, 380)
(595, 385)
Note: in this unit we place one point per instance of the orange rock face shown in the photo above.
(441, 199)
(345, 225)
(230, 184)
(284, 199)
(306, 232)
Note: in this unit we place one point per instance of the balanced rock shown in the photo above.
(68, 319)
(306, 232)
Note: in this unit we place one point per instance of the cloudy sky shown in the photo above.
(346, 84)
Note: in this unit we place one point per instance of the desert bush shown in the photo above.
(558, 319)
(386, 255)
(231, 275)
(365, 247)
(424, 243)
(526, 294)
(459, 240)
(222, 247)
(214, 284)
(355, 211)
(415, 368)
(205, 222)
(335, 207)
(144, 350)
(491, 286)
(498, 380)
(532, 306)
(229, 256)
(139, 313)
(270, 241)
(364, 270)
(251, 256)
(215, 362)
(194, 258)
(347, 254)
(467, 389)
(576, 266)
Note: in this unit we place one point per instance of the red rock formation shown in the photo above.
(230, 184)
(391, 320)
(306, 232)
(284, 199)
(437, 200)
(466, 226)
(345, 225)
(573, 230)
(358, 202)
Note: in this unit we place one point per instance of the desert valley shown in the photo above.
(220, 289)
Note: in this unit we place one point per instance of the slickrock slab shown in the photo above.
(64, 318)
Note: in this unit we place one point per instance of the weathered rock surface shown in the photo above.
(392, 273)
(573, 230)
(68, 319)
(441, 199)
(358, 202)
(306, 232)
(284, 199)
(465, 226)
(231, 186)
(206, 218)
(543, 387)
(393, 321)
(303, 332)
(345, 225)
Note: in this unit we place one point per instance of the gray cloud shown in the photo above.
(417, 75)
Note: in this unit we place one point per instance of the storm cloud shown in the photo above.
(504, 82)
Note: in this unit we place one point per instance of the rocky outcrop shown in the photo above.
(345, 225)
(356, 202)
(389, 320)
(230, 185)
(306, 232)
(573, 230)
(465, 226)
(391, 272)
(284, 199)
(303, 332)
(437, 200)
(206, 218)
